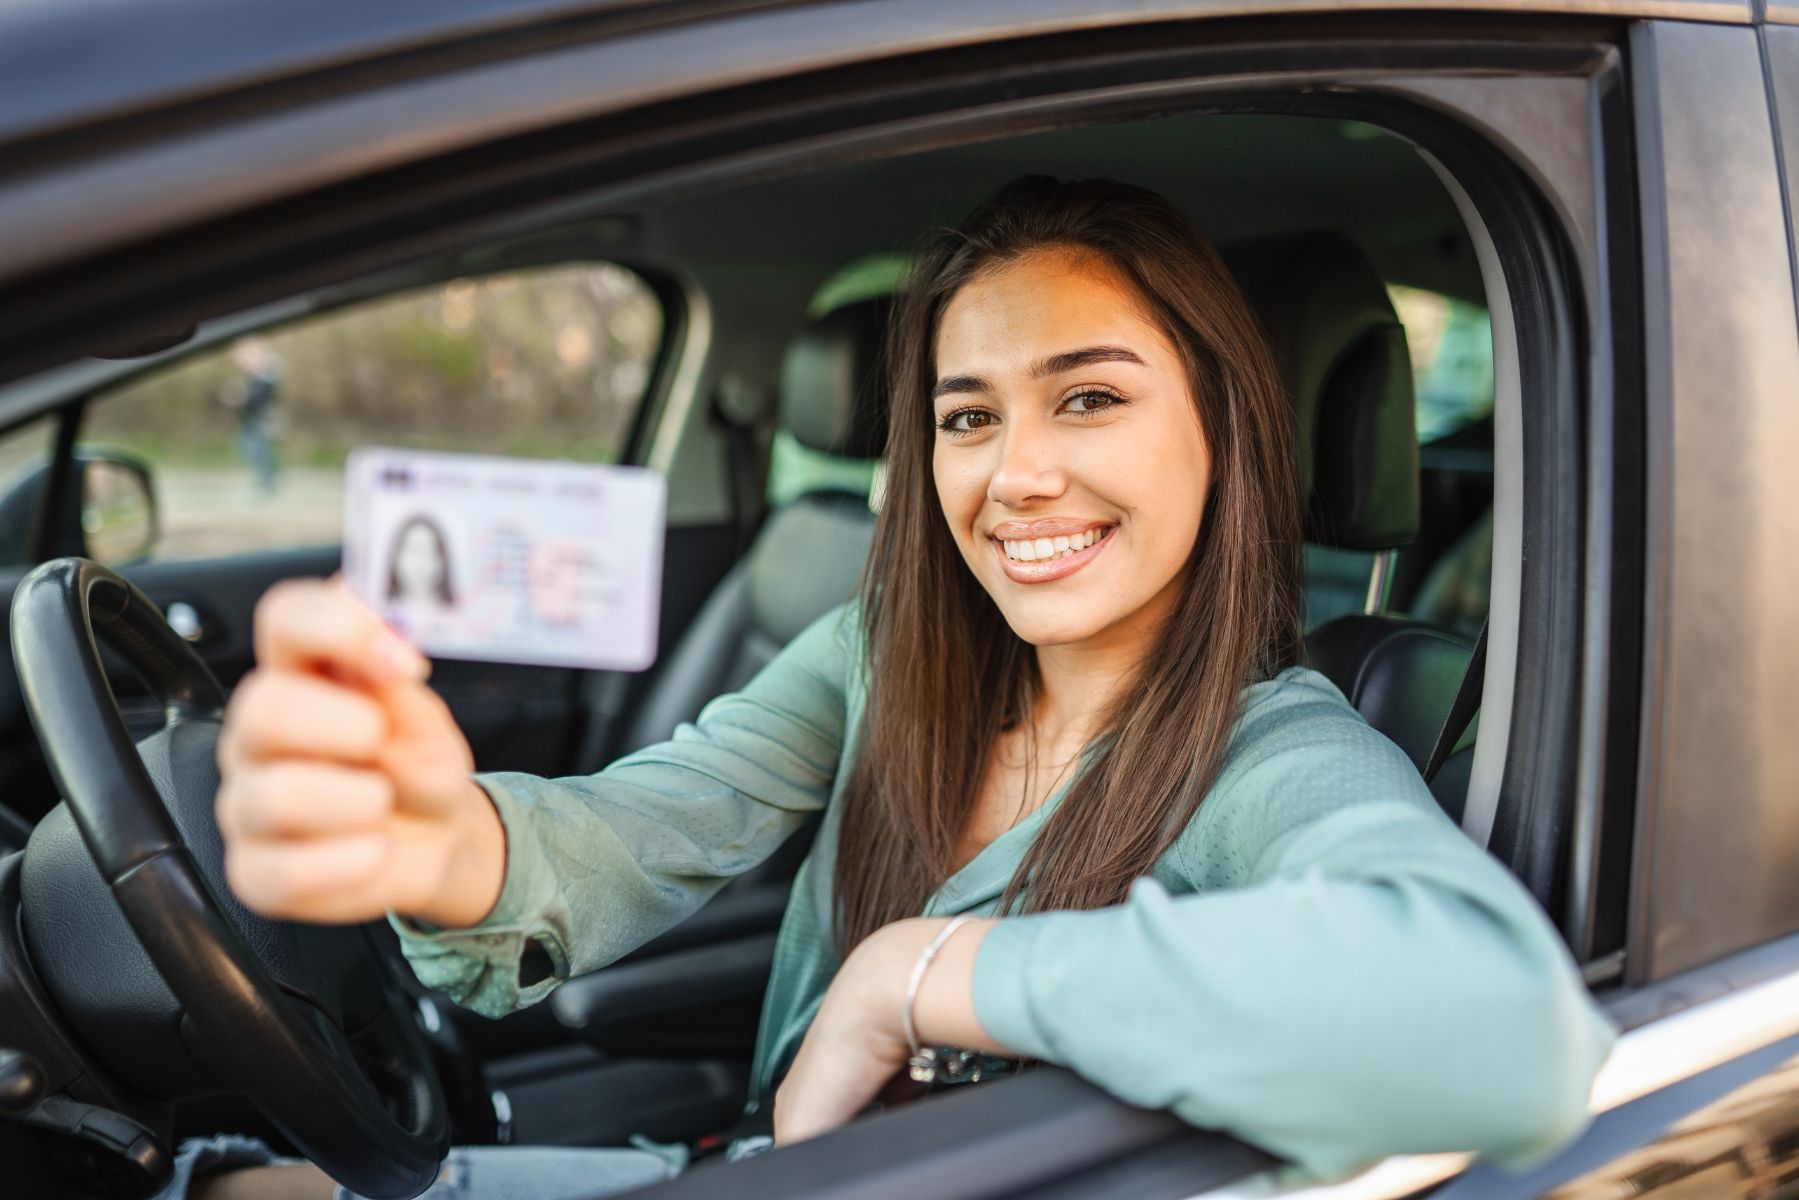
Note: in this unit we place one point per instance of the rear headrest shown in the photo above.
(1342, 353)
(833, 391)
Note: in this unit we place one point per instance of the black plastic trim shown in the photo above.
(31, 1020)
(1599, 907)
(1013, 1137)
(681, 979)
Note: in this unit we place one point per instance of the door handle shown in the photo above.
(185, 620)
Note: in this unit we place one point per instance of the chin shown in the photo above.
(1047, 623)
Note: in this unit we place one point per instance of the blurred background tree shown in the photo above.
(551, 362)
(545, 363)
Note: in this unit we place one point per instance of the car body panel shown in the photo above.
(1718, 829)
(280, 149)
(77, 61)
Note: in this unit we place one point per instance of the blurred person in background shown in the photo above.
(252, 394)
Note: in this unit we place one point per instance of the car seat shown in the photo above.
(1342, 353)
(808, 555)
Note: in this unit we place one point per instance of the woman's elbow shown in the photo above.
(1539, 1059)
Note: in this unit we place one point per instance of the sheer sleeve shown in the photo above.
(1353, 977)
(597, 865)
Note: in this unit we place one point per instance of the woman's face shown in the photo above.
(418, 564)
(1069, 457)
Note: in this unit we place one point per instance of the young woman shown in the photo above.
(1061, 744)
(421, 587)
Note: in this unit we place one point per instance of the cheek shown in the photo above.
(1169, 475)
(961, 490)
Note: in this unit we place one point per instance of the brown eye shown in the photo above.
(1084, 404)
(966, 420)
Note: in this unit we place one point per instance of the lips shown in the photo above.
(1062, 561)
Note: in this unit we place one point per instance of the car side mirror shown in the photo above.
(118, 508)
(111, 517)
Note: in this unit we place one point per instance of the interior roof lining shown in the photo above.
(1238, 175)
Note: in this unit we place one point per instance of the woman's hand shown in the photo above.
(857, 1042)
(345, 784)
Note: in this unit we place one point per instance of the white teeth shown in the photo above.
(1041, 549)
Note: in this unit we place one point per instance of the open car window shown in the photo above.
(1451, 343)
(245, 442)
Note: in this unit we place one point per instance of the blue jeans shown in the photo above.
(256, 442)
(469, 1173)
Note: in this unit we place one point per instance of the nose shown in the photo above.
(1028, 468)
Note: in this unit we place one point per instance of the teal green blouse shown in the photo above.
(1322, 964)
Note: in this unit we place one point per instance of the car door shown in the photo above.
(1701, 1095)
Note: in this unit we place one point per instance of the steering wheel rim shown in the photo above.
(291, 1061)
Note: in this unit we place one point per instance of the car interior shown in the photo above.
(764, 405)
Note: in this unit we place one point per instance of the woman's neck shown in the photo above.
(1079, 681)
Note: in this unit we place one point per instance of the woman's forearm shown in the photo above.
(943, 1013)
(474, 867)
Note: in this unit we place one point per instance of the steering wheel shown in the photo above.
(190, 990)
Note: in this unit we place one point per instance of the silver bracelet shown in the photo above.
(927, 1063)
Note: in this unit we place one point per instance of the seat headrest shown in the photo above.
(833, 391)
(1342, 353)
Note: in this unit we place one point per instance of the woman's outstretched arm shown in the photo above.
(346, 793)
(596, 865)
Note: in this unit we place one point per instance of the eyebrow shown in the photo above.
(1055, 364)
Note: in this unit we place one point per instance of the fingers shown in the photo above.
(313, 624)
(322, 880)
(426, 753)
(283, 713)
(340, 771)
(297, 798)
(418, 714)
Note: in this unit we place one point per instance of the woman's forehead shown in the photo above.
(1045, 303)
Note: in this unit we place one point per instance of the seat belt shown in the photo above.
(737, 407)
(1461, 709)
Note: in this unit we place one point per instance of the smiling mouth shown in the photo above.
(1049, 549)
(1047, 559)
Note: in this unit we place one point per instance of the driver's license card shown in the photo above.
(508, 559)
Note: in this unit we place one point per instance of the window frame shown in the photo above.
(215, 335)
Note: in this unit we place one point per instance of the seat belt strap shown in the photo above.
(743, 474)
(1461, 709)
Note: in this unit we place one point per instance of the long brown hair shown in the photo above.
(946, 673)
